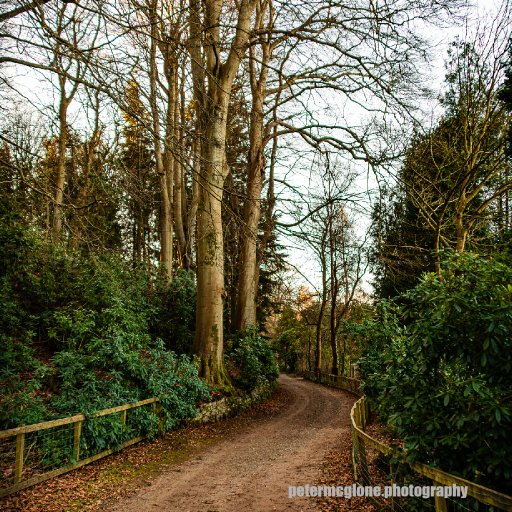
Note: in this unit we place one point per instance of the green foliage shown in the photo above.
(432, 207)
(438, 368)
(21, 379)
(21, 374)
(505, 95)
(403, 243)
(251, 361)
(175, 314)
(271, 273)
(349, 331)
(95, 323)
(289, 341)
(109, 374)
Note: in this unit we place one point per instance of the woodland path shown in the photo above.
(251, 469)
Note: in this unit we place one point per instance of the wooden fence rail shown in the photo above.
(359, 416)
(336, 381)
(361, 440)
(78, 421)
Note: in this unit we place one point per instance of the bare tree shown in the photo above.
(58, 36)
(459, 170)
(341, 257)
(305, 54)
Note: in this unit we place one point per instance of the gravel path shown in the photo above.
(251, 469)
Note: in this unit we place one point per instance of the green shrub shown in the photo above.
(290, 341)
(110, 375)
(95, 323)
(21, 378)
(251, 361)
(438, 369)
(174, 316)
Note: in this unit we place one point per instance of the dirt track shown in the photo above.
(252, 469)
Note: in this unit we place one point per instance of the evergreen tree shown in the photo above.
(138, 178)
(505, 95)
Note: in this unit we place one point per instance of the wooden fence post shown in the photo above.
(440, 503)
(77, 432)
(361, 448)
(20, 449)
(354, 455)
(157, 410)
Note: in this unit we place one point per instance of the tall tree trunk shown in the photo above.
(343, 355)
(194, 201)
(249, 261)
(180, 201)
(460, 230)
(90, 158)
(61, 162)
(333, 267)
(248, 280)
(212, 114)
(65, 100)
(318, 340)
(210, 251)
(323, 302)
(333, 328)
(178, 215)
(165, 181)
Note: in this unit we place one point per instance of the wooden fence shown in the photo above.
(29, 463)
(362, 442)
(335, 381)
